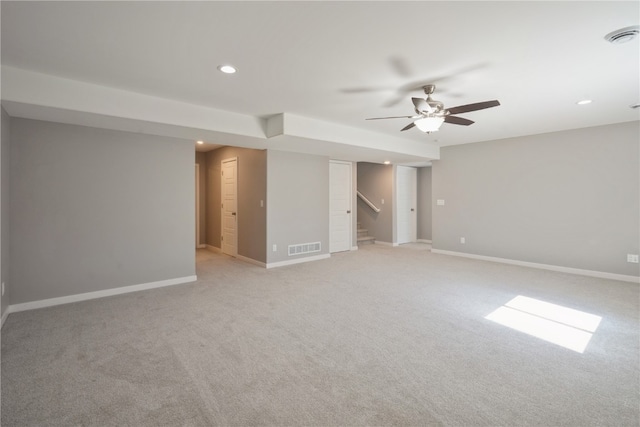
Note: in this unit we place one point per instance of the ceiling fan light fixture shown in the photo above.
(429, 124)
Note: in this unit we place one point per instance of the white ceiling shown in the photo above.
(342, 62)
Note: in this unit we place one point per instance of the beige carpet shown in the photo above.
(380, 336)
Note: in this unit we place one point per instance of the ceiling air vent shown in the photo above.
(622, 35)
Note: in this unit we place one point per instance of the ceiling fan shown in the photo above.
(430, 114)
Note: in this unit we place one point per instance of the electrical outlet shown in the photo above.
(632, 258)
(275, 248)
(382, 202)
(440, 202)
(262, 203)
(463, 240)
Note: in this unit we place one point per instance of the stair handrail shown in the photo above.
(367, 201)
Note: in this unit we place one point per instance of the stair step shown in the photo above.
(362, 232)
(367, 240)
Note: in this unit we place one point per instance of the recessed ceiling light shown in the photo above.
(584, 102)
(387, 162)
(227, 69)
(200, 142)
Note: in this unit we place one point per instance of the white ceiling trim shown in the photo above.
(304, 127)
(38, 96)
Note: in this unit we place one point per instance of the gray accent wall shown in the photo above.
(567, 199)
(298, 203)
(252, 188)
(94, 209)
(375, 182)
(424, 203)
(4, 210)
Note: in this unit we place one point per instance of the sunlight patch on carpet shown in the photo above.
(556, 324)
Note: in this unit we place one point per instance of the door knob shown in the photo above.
(348, 211)
(411, 209)
(234, 214)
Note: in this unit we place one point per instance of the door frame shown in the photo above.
(222, 162)
(414, 210)
(351, 204)
(198, 245)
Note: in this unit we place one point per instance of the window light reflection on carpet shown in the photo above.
(559, 325)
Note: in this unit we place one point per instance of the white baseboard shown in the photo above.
(98, 294)
(581, 272)
(5, 315)
(297, 261)
(201, 247)
(354, 248)
(380, 242)
(213, 249)
(251, 261)
(423, 241)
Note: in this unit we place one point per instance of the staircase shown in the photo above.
(363, 236)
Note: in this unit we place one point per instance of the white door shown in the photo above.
(406, 201)
(229, 197)
(340, 195)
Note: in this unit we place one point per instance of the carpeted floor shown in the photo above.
(380, 336)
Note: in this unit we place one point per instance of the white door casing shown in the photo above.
(406, 203)
(197, 205)
(340, 201)
(229, 206)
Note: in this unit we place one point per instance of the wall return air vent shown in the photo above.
(304, 248)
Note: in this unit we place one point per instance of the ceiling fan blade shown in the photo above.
(458, 120)
(473, 107)
(422, 105)
(407, 127)
(394, 117)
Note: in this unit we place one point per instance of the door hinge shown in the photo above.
(221, 238)
(221, 205)
(222, 173)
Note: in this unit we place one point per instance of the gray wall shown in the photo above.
(375, 182)
(298, 202)
(4, 210)
(424, 203)
(94, 209)
(252, 188)
(566, 198)
(201, 160)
